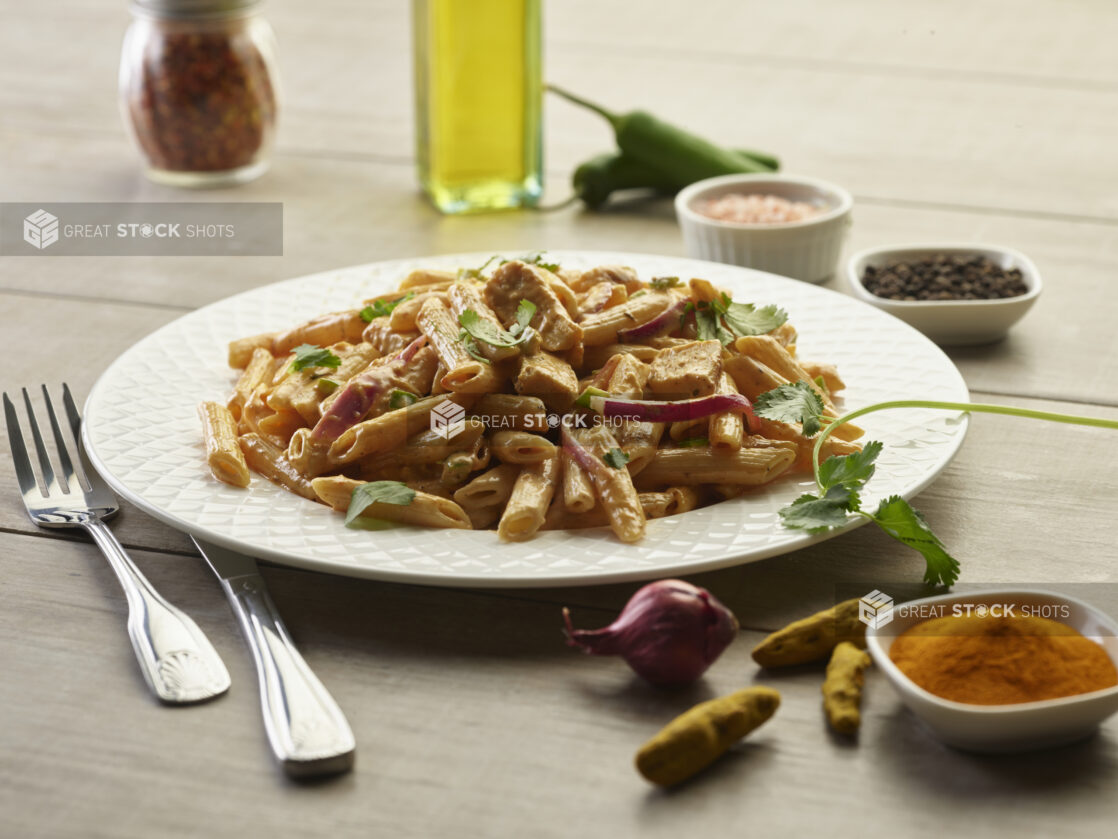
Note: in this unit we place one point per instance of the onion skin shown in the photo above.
(669, 632)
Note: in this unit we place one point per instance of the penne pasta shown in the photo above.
(520, 418)
(689, 467)
(521, 447)
(528, 503)
(223, 453)
(424, 510)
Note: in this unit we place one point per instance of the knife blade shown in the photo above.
(306, 729)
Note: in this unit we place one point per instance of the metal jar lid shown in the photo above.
(193, 9)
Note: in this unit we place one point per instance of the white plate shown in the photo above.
(143, 435)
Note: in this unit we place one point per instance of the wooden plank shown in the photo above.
(335, 225)
(946, 137)
(472, 720)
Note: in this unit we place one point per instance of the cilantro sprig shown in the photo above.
(841, 478)
(383, 308)
(312, 355)
(476, 328)
(537, 258)
(723, 320)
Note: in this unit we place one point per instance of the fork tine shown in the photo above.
(64, 461)
(40, 447)
(24, 473)
(88, 473)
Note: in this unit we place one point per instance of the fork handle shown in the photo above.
(177, 660)
(307, 730)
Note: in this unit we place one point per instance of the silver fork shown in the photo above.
(177, 660)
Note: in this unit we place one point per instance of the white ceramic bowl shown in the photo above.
(805, 250)
(951, 323)
(1002, 728)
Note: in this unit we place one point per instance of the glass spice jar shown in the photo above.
(197, 90)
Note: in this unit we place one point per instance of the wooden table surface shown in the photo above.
(949, 120)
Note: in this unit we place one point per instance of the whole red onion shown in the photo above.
(669, 632)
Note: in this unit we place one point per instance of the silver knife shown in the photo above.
(308, 733)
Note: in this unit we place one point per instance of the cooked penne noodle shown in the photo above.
(498, 422)
(222, 450)
(531, 495)
(490, 488)
(521, 447)
(688, 467)
(241, 350)
(602, 327)
(257, 372)
(465, 374)
(726, 429)
(515, 412)
(268, 460)
(386, 431)
(322, 331)
(613, 486)
(425, 509)
(578, 492)
(402, 318)
(595, 357)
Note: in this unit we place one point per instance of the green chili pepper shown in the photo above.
(667, 148)
(596, 179)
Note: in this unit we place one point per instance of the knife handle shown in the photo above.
(308, 733)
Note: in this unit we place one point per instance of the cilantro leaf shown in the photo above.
(616, 458)
(491, 333)
(471, 346)
(897, 518)
(746, 319)
(537, 259)
(383, 308)
(382, 492)
(815, 514)
(849, 470)
(707, 327)
(525, 311)
(312, 355)
(664, 283)
(401, 399)
(476, 273)
(792, 402)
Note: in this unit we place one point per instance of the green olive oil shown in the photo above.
(478, 102)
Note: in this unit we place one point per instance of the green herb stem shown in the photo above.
(963, 407)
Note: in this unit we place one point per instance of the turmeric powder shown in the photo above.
(698, 737)
(985, 660)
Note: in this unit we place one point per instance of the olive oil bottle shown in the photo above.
(478, 93)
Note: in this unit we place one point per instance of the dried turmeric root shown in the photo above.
(842, 688)
(698, 737)
(813, 638)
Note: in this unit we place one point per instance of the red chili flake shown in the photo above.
(205, 100)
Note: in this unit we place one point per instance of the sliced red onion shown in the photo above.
(680, 411)
(580, 454)
(669, 632)
(408, 353)
(357, 397)
(663, 323)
